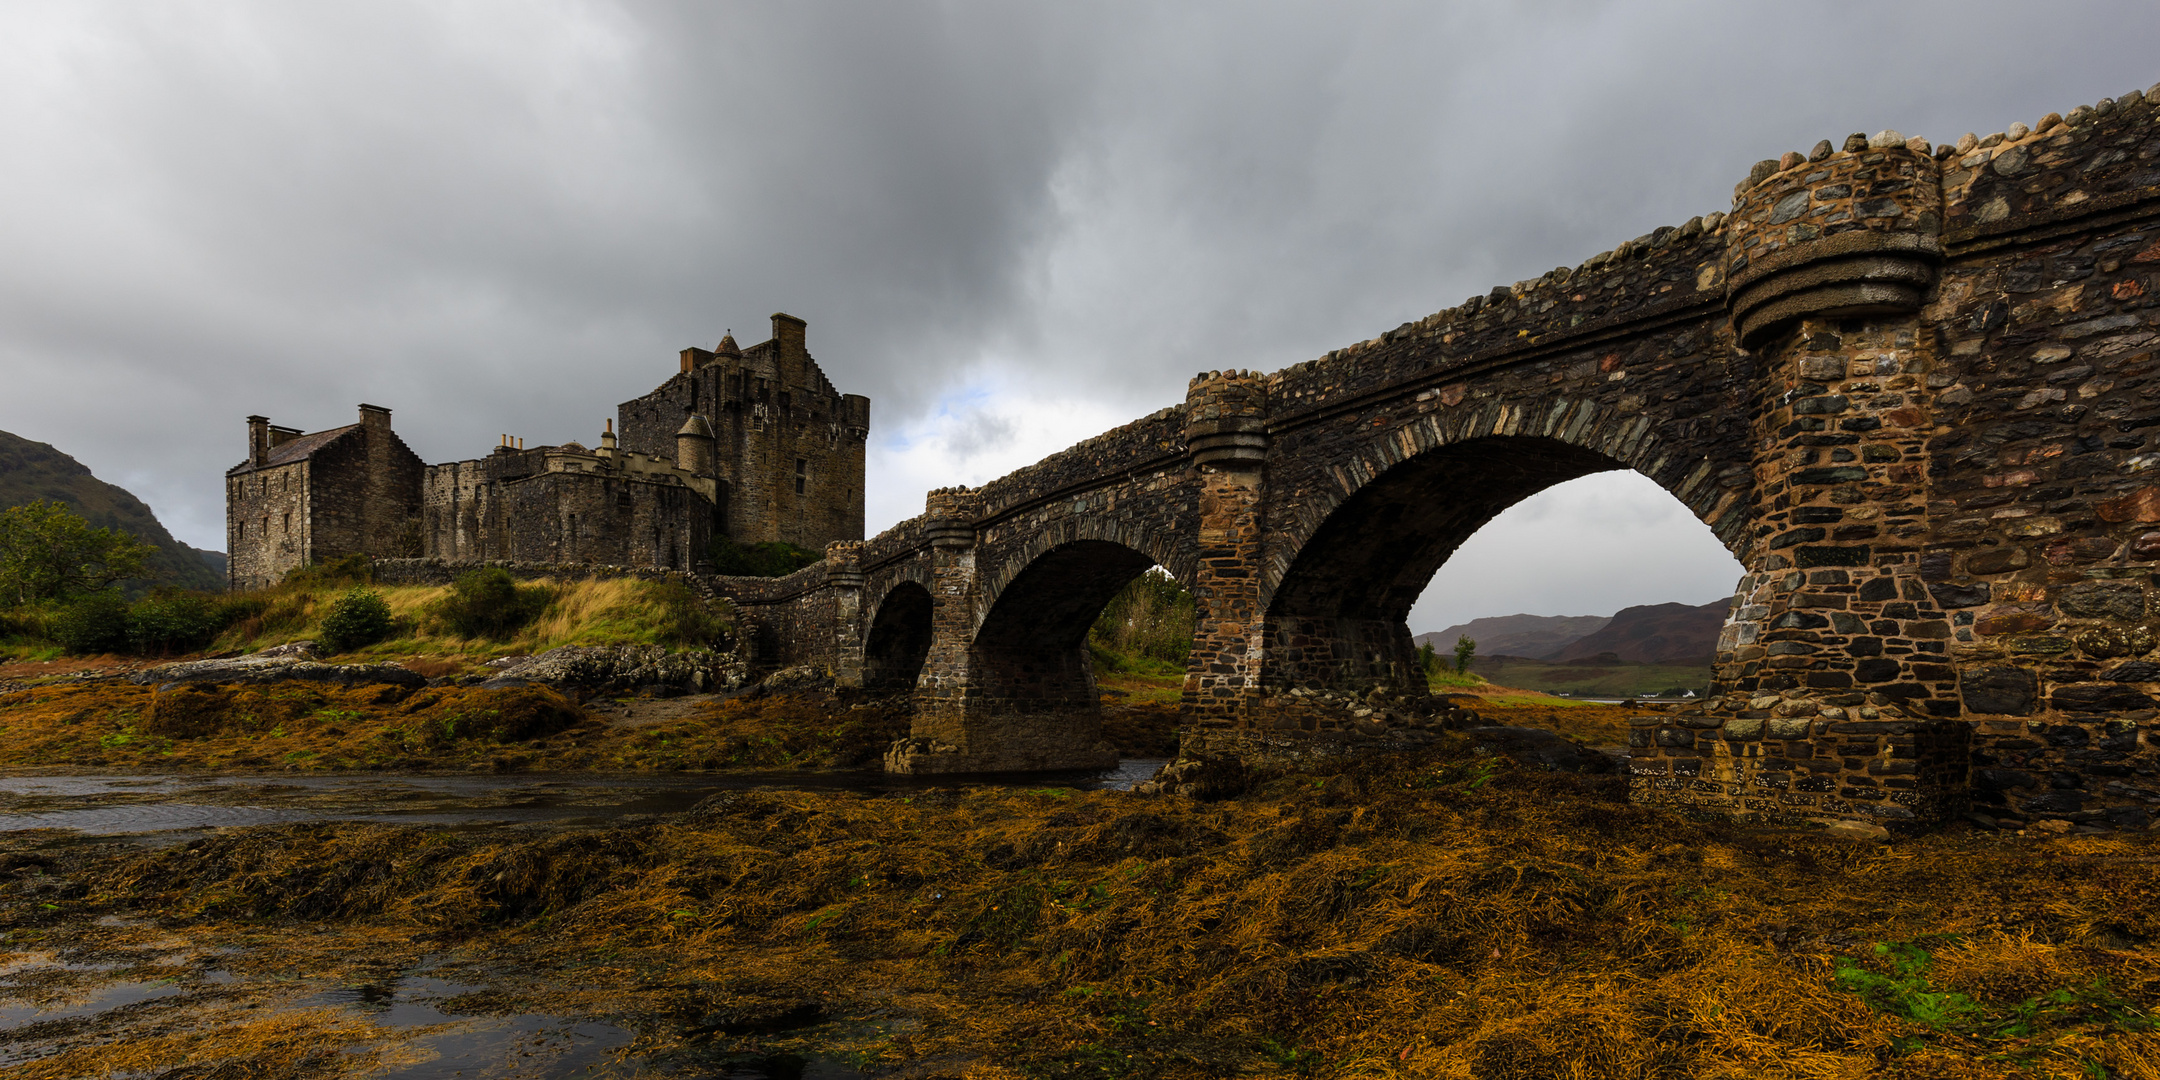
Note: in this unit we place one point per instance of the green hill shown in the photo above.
(1604, 675)
(30, 471)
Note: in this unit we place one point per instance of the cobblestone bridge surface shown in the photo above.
(1911, 388)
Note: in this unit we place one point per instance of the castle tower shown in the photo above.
(694, 447)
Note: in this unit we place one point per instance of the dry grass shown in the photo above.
(305, 726)
(1598, 725)
(1430, 916)
(615, 611)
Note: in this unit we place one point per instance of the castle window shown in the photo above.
(288, 522)
(784, 400)
(802, 475)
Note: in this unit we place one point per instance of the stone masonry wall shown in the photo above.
(266, 521)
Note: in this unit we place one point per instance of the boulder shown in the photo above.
(612, 668)
(1211, 776)
(269, 669)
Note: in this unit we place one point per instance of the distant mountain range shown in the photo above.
(1535, 636)
(30, 471)
(1648, 634)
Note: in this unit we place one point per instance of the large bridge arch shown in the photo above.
(1353, 558)
(1567, 436)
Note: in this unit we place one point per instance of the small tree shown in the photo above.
(49, 553)
(1464, 650)
(359, 618)
(490, 604)
(1428, 661)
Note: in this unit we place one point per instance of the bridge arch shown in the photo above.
(1029, 654)
(898, 641)
(1353, 558)
(1565, 433)
(1071, 534)
(1016, 691)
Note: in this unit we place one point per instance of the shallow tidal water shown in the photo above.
(419, 1022)
(156, 808)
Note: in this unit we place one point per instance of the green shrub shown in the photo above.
(169, 621)
(1150, 620)
(771, 559)
(358, 619)
(95, 622)
(490, 604)
(686, 620)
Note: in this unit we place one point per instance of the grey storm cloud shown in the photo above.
(506, 217)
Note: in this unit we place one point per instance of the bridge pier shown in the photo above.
(1226, 440)
(1835, 695)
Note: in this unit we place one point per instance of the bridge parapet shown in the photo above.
(1673, 274)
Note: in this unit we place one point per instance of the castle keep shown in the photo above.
(753, 444)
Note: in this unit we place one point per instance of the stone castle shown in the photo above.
(751, 444)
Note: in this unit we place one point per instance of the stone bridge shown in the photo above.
(1911, 389)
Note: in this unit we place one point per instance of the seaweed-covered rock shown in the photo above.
(793, 680)
(1536, 746)
(260, 668)
(1211, 776)
(602, 668)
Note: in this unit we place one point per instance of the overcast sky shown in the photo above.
(1011, 225)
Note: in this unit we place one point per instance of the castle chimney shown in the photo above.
(694, 447)
(258, 440)
(374, 419)
(607, 442)
(789, 332)
(694, 358)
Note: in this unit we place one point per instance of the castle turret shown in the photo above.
(694, 447)
(728, 347)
